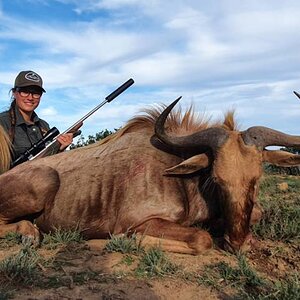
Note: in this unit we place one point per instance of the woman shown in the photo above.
(20, 122)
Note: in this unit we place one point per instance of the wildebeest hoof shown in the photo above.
(237, 247)
(234, 247)
(30, 233)
(252, 242)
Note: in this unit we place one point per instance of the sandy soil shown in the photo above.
(102, 275)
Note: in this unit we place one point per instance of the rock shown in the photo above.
(283, 186)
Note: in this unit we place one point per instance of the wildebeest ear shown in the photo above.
(190, 165)
(281, 158)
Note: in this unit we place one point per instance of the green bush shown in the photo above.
(21, 267)
(60, 237)
(154, 263)
(81, 142)
(124, 244)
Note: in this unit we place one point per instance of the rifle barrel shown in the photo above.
(298, 95)
(109, 98)
(86, 116)
(119, 90)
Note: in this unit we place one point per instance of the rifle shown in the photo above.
(298, 95)
(49, 145)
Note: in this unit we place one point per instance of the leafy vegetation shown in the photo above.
(246, 283)
(280, 205)
(21, 267)
(60, 237)
(243, 277)
(289, 288)
(10, 239)
(154, 262)
(124, 244)
(82, 141)
(6, 292)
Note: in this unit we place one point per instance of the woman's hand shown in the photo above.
(65, 140)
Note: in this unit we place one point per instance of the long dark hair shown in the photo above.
(12, 117)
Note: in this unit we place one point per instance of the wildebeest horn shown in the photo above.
(198, 142)
(262, 137)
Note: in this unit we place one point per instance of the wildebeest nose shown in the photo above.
(238, 246)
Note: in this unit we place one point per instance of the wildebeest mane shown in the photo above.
(177, 123)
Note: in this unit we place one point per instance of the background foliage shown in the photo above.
(82, 141)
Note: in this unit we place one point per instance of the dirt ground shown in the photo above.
(84, 271)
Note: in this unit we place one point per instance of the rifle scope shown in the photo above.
(37, 147)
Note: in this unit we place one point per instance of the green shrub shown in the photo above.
(81, 142)
(154, 262)
(286, 289)
(60, 237)
(243, 278)
(248, 285)
(10, 239)
(21, 267)
(124, 244)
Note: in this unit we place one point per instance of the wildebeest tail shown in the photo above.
(5, 151)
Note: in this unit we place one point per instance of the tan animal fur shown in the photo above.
(124, 184)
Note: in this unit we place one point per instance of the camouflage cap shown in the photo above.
(29, 78)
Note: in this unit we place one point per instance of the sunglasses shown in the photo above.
(25, 93)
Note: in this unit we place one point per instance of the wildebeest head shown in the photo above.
(234, 160)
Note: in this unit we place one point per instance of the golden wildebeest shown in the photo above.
(158, 175)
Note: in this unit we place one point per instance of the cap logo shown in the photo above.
(32, 77)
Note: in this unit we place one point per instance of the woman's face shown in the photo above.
(27, 99)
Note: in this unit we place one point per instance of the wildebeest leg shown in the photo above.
(25, 228)
(174, 237)
(25, 191)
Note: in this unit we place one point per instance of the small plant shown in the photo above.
(248, 285)
(21, 267)
(61, 237)
(124, 244)
(83, 277)
(286, 230)
(10, 239)
(5, 292)
(287, 289)
(242, 277)
(251, 282)
(92, 139)
(155, 263)
(127, 260)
